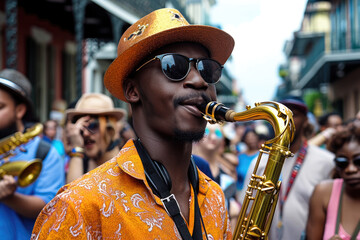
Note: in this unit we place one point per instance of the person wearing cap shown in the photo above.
(300, 173)
(19, 206)
(92, 133)
(164, 68)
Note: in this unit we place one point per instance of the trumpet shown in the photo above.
(259, 204)
(25, 171)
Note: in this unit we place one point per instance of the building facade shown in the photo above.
(65, 46)
(323, 58)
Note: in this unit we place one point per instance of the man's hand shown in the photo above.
(7, 187)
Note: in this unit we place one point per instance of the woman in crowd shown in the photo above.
(335, 204)
(91, 131)
(211, 148)
(251, 139)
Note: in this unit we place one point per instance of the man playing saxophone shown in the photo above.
(19, 206)
(152, 189)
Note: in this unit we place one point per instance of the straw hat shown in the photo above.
(155, 30)
(95, 104)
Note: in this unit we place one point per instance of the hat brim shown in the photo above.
(19, 96)
(117, 113)
(219, 43)
(29, 115)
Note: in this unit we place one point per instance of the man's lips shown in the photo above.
(191, 105)
(193, 110)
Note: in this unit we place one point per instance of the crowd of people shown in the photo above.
(164, 172)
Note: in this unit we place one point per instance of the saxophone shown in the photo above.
(26, 171)
(262, 193)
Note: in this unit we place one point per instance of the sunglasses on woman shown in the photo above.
(343, 162)
(217, 133)
(176, 67)
(92, 128)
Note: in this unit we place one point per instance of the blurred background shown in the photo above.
(307, 48)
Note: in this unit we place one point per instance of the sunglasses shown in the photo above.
(176, 67)
(217, 133)
(93, 127)
(342, 162)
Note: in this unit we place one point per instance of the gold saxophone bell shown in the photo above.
(26, 171)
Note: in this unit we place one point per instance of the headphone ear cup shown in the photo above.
(163, 174)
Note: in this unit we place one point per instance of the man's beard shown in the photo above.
(183, 136)
(9, 130)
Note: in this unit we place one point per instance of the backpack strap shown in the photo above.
(43, 149)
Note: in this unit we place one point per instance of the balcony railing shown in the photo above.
(317, 51)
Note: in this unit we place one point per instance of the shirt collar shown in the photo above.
(129, 161)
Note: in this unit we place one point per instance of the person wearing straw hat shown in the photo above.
(91, 131)
(20, 204)
(164, 69)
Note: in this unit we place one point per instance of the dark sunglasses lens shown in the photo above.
(356, 161)
(174, 66)
(210, 70)
(341, 162)
(94, 126)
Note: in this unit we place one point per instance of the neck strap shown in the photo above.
(161, 189)
(294, 172)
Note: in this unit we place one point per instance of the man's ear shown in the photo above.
(131, 91)
(20, 110)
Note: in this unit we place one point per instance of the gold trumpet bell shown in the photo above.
(26, 171)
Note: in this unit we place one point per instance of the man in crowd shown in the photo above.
(300, 173)
(91, 133)
(164, 69)
(330, 123)
(331, 120)
(19, 206)
(49, 135)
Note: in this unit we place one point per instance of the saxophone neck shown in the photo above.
(278, 115)
(8, 144)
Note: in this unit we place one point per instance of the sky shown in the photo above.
(260, 29)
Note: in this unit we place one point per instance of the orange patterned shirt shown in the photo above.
(114, 201)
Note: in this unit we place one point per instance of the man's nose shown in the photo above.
(194, 79)
(351, 168)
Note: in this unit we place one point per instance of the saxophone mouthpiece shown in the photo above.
(214, 112)
(202, 106)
